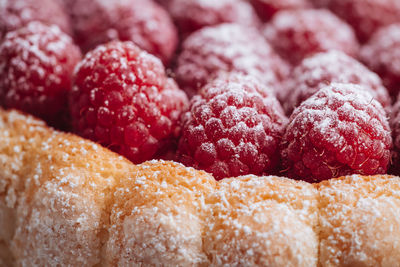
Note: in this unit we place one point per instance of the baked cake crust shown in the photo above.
(68, 201)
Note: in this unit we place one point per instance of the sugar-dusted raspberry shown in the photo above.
(365, 16)
(382, 55)
(144, 22)
(36, 67)
(192, 15)
(324, 68)
(227, 48)
(15, 14)
(267, 8)
(231, 129)
(340, 130)
(122, 99)
(296, 34)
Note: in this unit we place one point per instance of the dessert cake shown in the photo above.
(194, 133)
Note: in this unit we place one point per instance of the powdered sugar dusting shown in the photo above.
(34, 46)
(15, 14)
(322, 69)
(68, 201)
(143, 22)
(338, 131)
(365, 16)
(192, 15)
(158, 216)
(36, 65)
(382, 55)
(307, 32)
(57, 197)
(267, 8)
(126, 101)
(349, 209)
(257, 221)
(226, 48)
(233, 127)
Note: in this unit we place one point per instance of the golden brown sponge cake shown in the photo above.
(69, 202)
(359, 221)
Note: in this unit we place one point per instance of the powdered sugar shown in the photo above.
(36, 65)
(267, 8)
(192, 15)
(143, 22)
(97, 208)
(226, 48)
(232, 128)
(339, 130)
(322, 69)
(365, 16)
(382, 55)
(296, 34)
(349, 208)
(15, 14)
(241, 232)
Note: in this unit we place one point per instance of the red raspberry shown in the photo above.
(227, 48)
(382, 55)
(267, 8)
(164, 3)
(296, 34)
(395, 126)
(36, 67)
(340, 130)
(192, 15)
(365, 16)
(15, 14)
(324, 68)
(144, 22)
(231, 129)
(123, 99)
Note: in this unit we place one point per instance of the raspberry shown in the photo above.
(144, 22)
(365, 16)
(296, 34)
(231, 129)
(15, 14)
(267, 8)
(340, 130)
(395, 126)
(192, 15)
(382, 55)
(227, 48)
(36, 67)
(122, 99)
(324, 68)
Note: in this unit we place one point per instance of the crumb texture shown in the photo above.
(262, 221)
(67, 201)
(359, 221)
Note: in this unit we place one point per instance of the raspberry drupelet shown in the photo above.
(143, 22)
(36, 68)
(296, 34)
(192, 15)
(365, 16)
(15, 14)
(233, 127)
(324, 68)
(267, 8)
(382, 55)
(122, 99)
(340, 130)
(227, 48)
